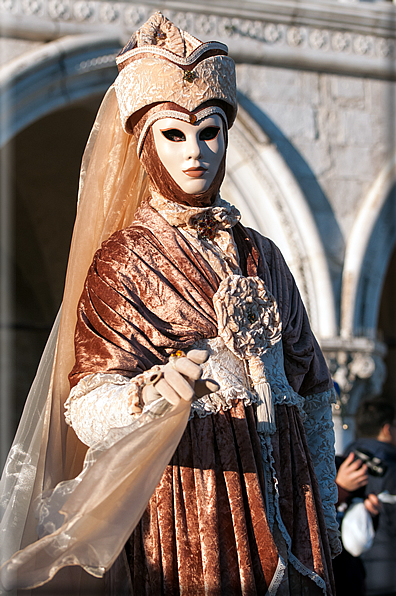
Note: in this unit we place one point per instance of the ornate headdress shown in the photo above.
(166, 72)
(162, 63)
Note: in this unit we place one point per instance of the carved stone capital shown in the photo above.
(357, 365)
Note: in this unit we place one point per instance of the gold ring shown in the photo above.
(153, 378)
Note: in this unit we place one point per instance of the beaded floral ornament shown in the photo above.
(249, 324)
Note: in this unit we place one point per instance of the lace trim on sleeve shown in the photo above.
(319, 428)
(100, 402)
(229, 372)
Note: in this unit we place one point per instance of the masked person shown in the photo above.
(197, 382)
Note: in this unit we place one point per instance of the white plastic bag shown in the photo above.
(357, 530)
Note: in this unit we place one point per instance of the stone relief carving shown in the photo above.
(363, 44)
(32, 7)
(295, 36)
(319, 39)
(84, 11)
(96, 63)
(109, 13)
(7, 5)
(134, 15)
(205, 24)
(272, 33)
(58, 9)
(341, 42)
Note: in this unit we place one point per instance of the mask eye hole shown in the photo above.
(209, 133)
(174, 135)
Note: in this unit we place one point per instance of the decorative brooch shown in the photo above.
(206, 225)
(189, 76)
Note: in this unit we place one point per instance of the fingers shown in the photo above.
(172, 386)
(360, 476)
(362, 473)
(167, 392)
(374, 500)
(187, 367)
(190, 366)
(181, 379)
(354, 464)
(178, 383)
(352, 474)
(198, 356)
(349, 459)
(372, 504)
(150, 394)
(205, 386)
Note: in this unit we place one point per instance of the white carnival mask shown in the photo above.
(191, 153)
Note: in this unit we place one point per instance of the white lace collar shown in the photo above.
(206, 220)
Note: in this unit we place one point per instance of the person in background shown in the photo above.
(376, 435)
(352, 475)
(352, 478)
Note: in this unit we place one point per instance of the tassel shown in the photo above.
(265, 408)
(265, 405)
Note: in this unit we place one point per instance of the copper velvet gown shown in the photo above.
(233, 509)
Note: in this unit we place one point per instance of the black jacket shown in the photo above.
(380, 560)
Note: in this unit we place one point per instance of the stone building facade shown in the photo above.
(311, 163)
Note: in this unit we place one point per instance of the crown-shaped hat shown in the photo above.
(162, 63)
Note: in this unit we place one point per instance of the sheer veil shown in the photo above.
(88, 501)
(45, 451)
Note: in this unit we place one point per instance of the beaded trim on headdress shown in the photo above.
(191, 118)
(181, 60)
(162, 63)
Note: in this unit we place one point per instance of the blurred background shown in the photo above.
(311, 164)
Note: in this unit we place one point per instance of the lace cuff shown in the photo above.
(320, 437)
(100, 402)
(317, 400)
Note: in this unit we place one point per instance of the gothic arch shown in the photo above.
(369, 248)
(262, 185)
(54, 75)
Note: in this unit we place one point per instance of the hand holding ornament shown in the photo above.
(179, 379)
